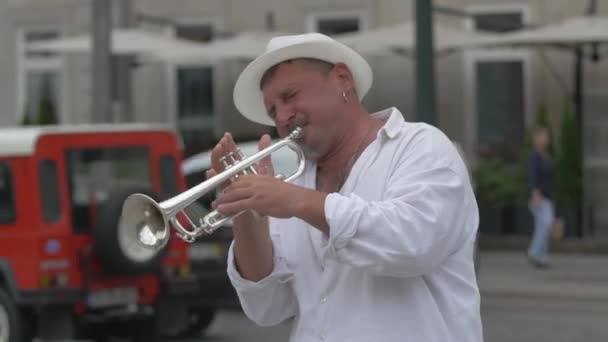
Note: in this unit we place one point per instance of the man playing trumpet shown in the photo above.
(374, 241)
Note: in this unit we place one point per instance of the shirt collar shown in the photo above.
(392, 126)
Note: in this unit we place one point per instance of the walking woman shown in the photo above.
(541, 172)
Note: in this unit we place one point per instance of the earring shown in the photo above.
(345, 97)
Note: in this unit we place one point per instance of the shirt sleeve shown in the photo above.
(271, 300)
(427, 213)
(533, 172)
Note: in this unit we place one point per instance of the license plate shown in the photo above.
(204, 251)
(112, 297)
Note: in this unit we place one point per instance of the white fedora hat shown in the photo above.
(247, 94)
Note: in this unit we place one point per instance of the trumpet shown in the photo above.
(152, 220)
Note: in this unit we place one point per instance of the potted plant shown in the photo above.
(568, 169)
(497, 189)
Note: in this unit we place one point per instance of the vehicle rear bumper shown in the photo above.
(45, 297)
(180, 286)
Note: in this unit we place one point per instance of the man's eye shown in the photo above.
(290, 95)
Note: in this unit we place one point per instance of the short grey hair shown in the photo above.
(318, 64)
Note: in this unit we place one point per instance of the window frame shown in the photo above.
(171, 69)
(54, 217)
(312, 19)
(12, 215)
(471, 57)
(171, 72)
(26, 64)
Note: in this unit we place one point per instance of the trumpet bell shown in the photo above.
(143, 214)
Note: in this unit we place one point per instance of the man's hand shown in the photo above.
(263, 193)
(537, 198)
(227, 145)
(273, 197)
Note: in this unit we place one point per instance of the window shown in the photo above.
(336, 23)
(49, 191)
(93, 173)
(498, 22)
(40, 81)
(498, 88)
(168, 176)
(7, 195)
(195, 105)
(500, 106)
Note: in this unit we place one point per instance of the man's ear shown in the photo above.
(344, 77)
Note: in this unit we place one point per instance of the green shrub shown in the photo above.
(498, 182)
(569, 187)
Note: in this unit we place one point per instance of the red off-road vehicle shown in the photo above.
(66, 265)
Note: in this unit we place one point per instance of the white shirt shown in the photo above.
(398, 262)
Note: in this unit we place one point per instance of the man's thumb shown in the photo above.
(264, 142)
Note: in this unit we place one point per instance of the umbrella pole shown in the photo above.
(425, 62)
(124, 67)
(101, 61)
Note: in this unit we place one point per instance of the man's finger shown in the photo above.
(235, 192)
(233, 208)
(265, 165)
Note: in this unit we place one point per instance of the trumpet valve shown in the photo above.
(187, 238)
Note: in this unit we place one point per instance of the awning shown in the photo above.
(245, 45)
(401, 39)
(124, 42)
(570, 32)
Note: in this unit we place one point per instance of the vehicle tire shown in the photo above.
(115, 243)
(146, 330)
(56, 323)
(199, 320)
(10, 320)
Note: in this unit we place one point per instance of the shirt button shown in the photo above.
(323, 338)
(323, 300)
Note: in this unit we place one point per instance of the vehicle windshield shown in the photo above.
(93, 173)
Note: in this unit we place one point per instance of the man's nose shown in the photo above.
(284, 116)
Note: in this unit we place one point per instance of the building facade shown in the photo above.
(484, 97)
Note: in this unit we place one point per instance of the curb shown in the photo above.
(520, 243)
(547, 294)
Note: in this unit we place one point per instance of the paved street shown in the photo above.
(568, 303)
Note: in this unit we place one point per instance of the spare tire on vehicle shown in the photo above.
(115, 243)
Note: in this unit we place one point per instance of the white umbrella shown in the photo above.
(401, 38)
(124, 42)
(570, 32)
(244, 45)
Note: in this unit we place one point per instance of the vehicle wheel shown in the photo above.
(56, 323)
(10, 321)
(146, 330)
(200, 320)
(115, 243)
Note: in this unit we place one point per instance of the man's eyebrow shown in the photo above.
(290, 88)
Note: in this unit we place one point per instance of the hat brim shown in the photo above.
(248, 96)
